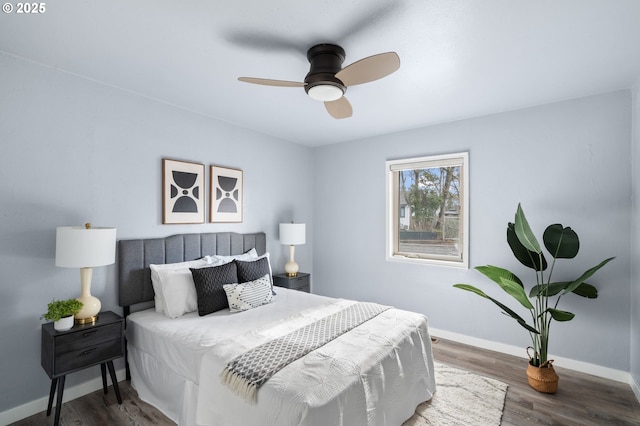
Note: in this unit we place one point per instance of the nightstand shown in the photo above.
(83, 346)
(300, 282)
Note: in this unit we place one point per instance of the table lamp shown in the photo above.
(292, 234)
(84, 248)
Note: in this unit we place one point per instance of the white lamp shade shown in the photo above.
(79, 247)
(292, 233)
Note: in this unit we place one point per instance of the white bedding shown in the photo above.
(374, 375)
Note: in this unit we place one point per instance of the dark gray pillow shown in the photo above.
(251, 270)
(209, 290)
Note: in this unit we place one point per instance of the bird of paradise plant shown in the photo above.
(542, 301)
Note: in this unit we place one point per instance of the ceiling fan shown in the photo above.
(327, 81)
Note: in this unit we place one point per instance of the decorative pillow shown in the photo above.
(209, 281)
(156, 281)
(219, 260)
(254, 269)
(178, 292)
(249, 295)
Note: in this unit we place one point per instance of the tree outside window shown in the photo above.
(427, 202)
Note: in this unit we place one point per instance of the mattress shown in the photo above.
(373, 375)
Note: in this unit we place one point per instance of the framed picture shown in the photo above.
(183, 192)
(226, 195)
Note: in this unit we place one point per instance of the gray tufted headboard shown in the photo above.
(135, 256)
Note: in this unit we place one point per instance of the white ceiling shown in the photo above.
(459, 58)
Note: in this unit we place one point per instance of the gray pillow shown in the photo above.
(254, 269)
(209, 290)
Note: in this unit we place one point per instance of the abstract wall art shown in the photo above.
(183, 192)
(226, 195)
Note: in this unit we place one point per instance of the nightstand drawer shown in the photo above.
(305, 288)
(297, 282)
(86, 338)
(301, 282)
(80, 358)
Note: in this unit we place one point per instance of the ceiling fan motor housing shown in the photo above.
(326, 60)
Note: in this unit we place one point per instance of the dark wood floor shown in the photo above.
(582, 400)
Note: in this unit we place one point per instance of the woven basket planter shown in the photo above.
(543, 379)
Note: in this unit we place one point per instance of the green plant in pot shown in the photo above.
(544, 297)
(61, 312)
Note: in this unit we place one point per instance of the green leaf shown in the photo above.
(472, 289)
(58, 309)
(526, 257)
(506, 310)
(508, 282)
(586, 290)
(548, 290)
(495, 273)
(574, 285)
(562, 243)
(516, 291)
(527, 326)
(524, 232)
(559, 315)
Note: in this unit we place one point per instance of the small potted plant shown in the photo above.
(61, 312)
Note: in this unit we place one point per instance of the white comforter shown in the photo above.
(374, 375)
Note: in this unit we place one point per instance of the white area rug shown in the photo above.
(461, 398)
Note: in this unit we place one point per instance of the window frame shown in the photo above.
(393, 206)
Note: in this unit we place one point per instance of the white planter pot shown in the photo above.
(63, 324)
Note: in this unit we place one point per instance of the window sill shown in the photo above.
(424, 261)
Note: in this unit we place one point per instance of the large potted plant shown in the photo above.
(61, 312)
(543, 298)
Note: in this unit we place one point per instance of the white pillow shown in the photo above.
(156, 281)
(217, 259)
(249, 295)
(179, 292)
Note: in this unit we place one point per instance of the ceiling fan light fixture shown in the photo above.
(325, 92)
(327, 81)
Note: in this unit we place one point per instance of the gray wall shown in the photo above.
(567, 163)
(74, 151)
(635, 279)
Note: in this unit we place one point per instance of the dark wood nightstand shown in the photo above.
(300, 282)
(83, 346)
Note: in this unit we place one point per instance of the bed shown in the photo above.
(374, 374)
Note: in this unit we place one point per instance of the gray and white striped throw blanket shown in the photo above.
(247, 372)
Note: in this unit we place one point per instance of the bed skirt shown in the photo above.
(157, 384)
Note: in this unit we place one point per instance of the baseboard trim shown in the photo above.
(70, 393)
(572, 364)
(635, 386)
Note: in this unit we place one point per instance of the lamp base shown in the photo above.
(90, 304)
(89, 320)
(291, 268)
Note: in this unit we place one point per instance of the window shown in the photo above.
(428, 209)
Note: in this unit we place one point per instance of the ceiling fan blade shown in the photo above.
(340, 108)
(269, 82)
(369, 69)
